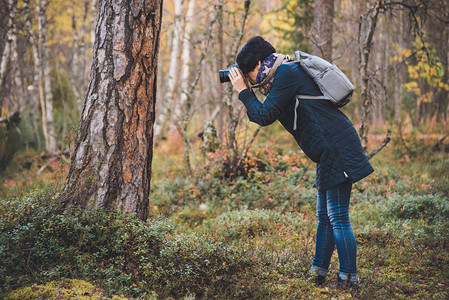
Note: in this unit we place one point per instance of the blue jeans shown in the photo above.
(334, 229)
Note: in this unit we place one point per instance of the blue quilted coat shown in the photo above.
(322, 131)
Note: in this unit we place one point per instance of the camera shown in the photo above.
(224, 74)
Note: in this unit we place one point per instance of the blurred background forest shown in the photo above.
(46, 53)
(232, 206)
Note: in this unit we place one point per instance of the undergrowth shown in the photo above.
(250, 237)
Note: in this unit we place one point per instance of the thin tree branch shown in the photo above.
(182, 125)
(245, 151)
(233, 116)
(381, 146)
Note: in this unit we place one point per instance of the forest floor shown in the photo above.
(249, 237)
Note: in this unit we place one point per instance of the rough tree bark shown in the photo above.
(111, 163)
(323, 17)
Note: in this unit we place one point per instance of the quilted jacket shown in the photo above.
(322, 131)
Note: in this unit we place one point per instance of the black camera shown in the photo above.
(224, 74)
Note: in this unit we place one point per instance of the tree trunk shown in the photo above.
(446, 114)
(168, 100)
(36, 91)
(220, 66)
(38, 79)
(20, 103)
(75, 69)
(93, 24)
(4, 61)
(182, 122)
(83, 55)
(366, 33)
(185, 59)
(365, 38)
(323, 17)
(111, 163)
(6, 55)
(49, 129)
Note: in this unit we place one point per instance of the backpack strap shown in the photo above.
(299, 55)
(295, 119)
(312, 97)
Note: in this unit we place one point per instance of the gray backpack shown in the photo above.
(332, 82)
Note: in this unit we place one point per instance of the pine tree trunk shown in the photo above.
(111, 162)
(323, 18)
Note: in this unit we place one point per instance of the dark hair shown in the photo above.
(255, 50)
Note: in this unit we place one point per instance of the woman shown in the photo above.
(325, 135)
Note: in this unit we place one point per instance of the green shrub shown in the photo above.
(422, 218)
(236, 225)
(44, 245)
(250, 237)
(279, 190)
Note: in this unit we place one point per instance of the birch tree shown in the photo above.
(7, 49)
(75, 69)
(185, 59)
(47, 105)
(79, 57)
(36, 92)
(165, 107)
(111, 163)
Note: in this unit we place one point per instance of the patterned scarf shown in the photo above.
(265, 76)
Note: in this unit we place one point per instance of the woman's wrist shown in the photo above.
(246, 96)
(241, 90)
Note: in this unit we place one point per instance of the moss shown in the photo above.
(73, 288)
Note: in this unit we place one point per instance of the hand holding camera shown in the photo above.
(235, 75)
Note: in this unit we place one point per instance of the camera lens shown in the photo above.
(224, 76)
